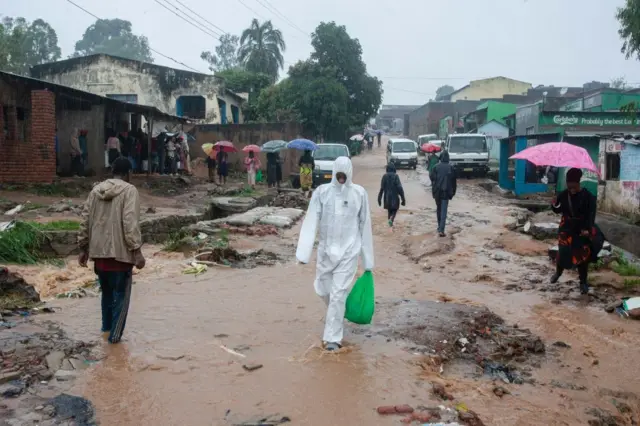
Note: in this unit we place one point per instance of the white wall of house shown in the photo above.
(494, 132)
(105, 76)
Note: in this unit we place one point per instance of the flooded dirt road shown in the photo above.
(187, 338)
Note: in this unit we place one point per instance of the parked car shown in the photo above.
(324, 157)
(402, 153)
(424, 139)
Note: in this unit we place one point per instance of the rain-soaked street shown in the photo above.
(187, 338)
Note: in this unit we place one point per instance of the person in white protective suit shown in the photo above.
(340, 210)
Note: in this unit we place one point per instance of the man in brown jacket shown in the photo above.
(110, 236)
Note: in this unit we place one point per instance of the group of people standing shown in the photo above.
(133, 145)
(218, 166)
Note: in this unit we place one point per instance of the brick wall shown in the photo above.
(30, 158)
(249, 134)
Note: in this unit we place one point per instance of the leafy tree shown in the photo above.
(113, 37)
(330, 92)
(620, 83)
(261, 47)
(443, 91)
(242, 81)
(226, 55)
(337, 52)
(23, 44)
(629, 18)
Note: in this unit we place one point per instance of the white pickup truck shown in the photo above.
(468, 153)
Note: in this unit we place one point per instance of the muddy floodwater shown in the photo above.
(187, 338)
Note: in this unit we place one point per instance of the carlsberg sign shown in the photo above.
(590, 121)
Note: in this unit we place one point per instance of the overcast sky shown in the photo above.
(414, 46)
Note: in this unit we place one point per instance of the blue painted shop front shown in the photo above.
(518, 184)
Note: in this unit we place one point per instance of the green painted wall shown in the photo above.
(589, 180)
(613, 101)
(497, 110)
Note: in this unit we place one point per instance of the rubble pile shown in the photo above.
(45, 355)
(290, 199)
(253, 230)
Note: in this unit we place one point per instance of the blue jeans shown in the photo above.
(116, 294)
(441, 210)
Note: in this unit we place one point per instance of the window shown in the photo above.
(132, 99)
(529, 130)
(612, 165)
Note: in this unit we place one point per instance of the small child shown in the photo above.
(392, 191)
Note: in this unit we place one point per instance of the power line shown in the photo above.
(151, 49)
(409, 91)
(424, 78)
(273, 9)
(206, 31)
(254, 12)
(201, 17)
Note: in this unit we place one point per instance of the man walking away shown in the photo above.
(392, 191)
(443, 188)
(340, 210)
(110, 236)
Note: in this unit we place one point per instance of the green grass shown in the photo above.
(57, 225)
(630, 283)
(625, 268)
(32, 206)
(21, 244)
(175, 241)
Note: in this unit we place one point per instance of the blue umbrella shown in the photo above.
(273, 146)
(302, 145)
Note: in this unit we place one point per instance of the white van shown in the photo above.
(402, 153)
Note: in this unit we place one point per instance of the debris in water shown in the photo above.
(252, 367)
(440, 392)
(266, 421)
(502, 372)
(500, 391)
(195, 268)
(395, 409)
(232, 352)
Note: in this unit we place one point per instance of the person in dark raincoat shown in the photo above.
(392, 192)
(579, 238)
(443, 188)
(274, 170)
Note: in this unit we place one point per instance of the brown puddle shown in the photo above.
(188, 337)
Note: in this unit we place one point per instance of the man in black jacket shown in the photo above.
(443, 188)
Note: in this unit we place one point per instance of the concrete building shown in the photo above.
(426, 119)
(488, 88)
(200, 97)
(388, 115)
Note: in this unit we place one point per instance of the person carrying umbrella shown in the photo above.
(579, 238)
(274, 170)
(306, 171)
(223, 168)
(252, 164)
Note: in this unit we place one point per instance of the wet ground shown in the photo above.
(188, 337)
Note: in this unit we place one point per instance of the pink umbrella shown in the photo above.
(251, 148)
(224, 146)
(558, 154)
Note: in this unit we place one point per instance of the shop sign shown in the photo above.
(572, 120)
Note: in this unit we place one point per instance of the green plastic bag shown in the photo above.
(361, 301)
(259, 176)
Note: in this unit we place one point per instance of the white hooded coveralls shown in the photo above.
(342, 213)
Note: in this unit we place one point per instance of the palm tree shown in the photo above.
(261, 48)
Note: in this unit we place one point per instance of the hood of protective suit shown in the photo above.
(391, 168)
(110, 189)
(444, 157)
(342, 164)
